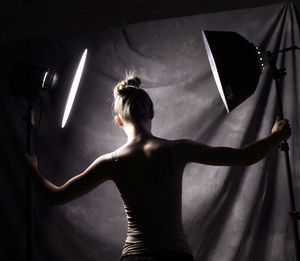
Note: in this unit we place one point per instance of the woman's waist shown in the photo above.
(161, 256)
(138, 243)
(171, 249)
(155, 231)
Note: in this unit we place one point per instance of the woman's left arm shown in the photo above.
(98, 172)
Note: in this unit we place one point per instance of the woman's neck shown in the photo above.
(137, 131)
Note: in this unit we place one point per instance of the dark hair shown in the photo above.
(130, 101)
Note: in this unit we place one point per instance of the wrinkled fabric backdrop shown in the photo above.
(238, 213)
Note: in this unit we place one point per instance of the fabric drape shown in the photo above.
(230, 213)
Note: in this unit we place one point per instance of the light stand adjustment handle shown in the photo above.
(284, 146)
(295, 215)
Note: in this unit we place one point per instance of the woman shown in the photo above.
(148, 173)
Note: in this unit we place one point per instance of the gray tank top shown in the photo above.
(152, 202)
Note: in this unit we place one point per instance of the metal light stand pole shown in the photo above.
(28, 182)
(277, 75)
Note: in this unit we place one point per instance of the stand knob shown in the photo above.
(295, 215)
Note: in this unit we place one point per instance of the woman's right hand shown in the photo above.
(282, 129)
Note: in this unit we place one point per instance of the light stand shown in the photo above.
(28, 185)
(27, 80)
(235, 64)
(277, 75)
(25, 83)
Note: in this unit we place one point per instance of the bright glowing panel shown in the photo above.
(44, 79)
(214, 70)
(74, 88)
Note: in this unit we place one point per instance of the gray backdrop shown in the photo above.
(238, 213)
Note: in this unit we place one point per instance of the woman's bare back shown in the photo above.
(149, 178)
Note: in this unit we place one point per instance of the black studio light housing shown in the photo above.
(28, 80)
(236, 66)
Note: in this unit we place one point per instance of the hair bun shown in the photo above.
(134, 82)
(128, 85)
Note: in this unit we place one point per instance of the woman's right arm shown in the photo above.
(225, 156)
(98, 172)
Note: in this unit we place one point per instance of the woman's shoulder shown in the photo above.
(148, 148)
(140, 147)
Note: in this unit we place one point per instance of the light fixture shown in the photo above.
(236, 65)
(27, 81)
(74, 88)
(62, 84)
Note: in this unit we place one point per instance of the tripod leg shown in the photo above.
(28, 183)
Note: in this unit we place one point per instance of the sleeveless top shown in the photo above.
(153, 205)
